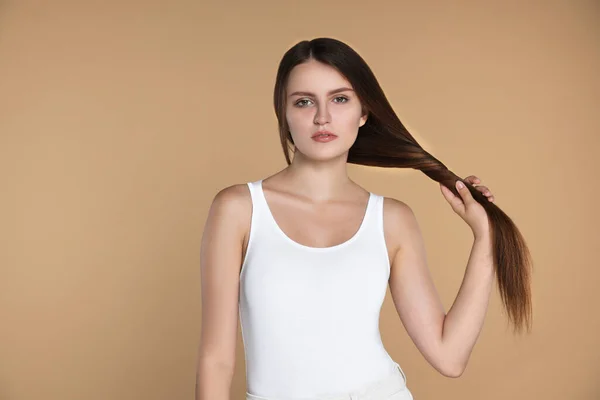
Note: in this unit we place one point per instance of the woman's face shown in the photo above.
(319, 98)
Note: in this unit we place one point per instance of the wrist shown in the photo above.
(482, 235)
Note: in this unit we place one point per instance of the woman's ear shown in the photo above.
(363, 120)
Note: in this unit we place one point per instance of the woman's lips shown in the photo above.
(323, 137)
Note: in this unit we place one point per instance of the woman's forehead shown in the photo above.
(315, 77)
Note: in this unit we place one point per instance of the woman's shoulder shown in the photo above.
(398, 219)
(395, 206)
(237, 196)
(233, 202)
(397, 211)
(233, 195)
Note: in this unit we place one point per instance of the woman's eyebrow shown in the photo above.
(342, 89)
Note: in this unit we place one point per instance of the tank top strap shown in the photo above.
(259, 204)
(373, 234)
(374, 216)
(253, 187)
(378, 212)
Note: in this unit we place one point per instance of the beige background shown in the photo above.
(119, 122)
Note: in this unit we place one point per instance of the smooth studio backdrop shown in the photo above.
(120, 120)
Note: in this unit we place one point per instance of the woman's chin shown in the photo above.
(323, 155)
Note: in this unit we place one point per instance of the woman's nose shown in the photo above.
(322, 116)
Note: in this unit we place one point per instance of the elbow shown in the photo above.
(457, 373)
(453, 370)
(451, 365)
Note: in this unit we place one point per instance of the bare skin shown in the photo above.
(316, 204)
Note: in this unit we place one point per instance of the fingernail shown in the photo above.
(460, 185)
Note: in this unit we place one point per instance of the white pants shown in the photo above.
(392, 387)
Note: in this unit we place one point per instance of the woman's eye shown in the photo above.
(301, 103)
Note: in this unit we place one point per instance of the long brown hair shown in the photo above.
(383, 141)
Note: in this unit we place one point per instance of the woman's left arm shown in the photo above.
(464, 321)
(445, 339)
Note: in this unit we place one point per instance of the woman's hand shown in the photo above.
(467, 207)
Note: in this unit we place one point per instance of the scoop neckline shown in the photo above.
(311, 248)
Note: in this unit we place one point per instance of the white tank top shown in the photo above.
(310, 316)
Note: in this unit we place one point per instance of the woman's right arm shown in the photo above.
(220, 262)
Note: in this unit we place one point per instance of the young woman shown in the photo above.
(305, 255)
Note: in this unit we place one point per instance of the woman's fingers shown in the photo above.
(472, 179)
(476, 183)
